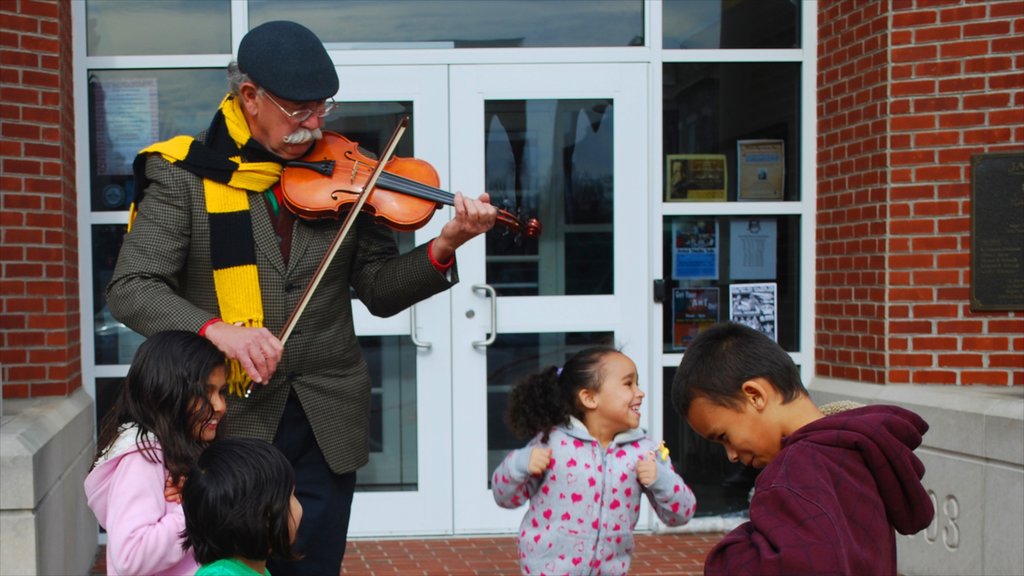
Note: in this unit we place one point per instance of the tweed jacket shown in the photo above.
(163, 280)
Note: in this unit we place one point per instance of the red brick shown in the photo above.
(961, 360)
(911, 295)
(944, 138)
(968, 377)
(998, 117)
(960, 120)
(933, 377)
(997, 344)
(960, 14)
(1006, 81)
(915, 87)
(937, 34)
(963, 85)
(910, 360)
(1006, 326)
(985, 136)
(913, 19)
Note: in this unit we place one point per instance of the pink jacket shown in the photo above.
(126, 493)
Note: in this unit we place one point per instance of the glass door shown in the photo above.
(410, 353)
(565, 145)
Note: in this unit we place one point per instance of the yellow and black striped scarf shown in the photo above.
(227, 181)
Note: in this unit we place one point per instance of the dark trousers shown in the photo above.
(326, 500)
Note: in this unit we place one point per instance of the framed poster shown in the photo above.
(695, 177)
(753, 245)
(754, 305)
(761, 168)
(695, 249)
(693, 310)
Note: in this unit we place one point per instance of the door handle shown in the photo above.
(494, 316)
(412, 330)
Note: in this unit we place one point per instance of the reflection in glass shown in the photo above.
(131, 109)
(707, 108)
(711, 24)
(107, 391)
(393, 425)
(551, 160)
(511, 358)
(115, 343)
(462, 23)
(138, 27)
(753, 249)
(721, 486)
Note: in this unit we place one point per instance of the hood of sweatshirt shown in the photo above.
(885, 437)
(97, 483)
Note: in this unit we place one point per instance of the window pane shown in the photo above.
(513, 357)
(393, 426)
(551, 160)
(115, 343)
(713, 24)
(138, 27)
(131, 109)
(462, 23)
(711, 110)
(747, 266)
(721, 486)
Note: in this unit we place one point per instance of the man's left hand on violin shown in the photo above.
(472, 217)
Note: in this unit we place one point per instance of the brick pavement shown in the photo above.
(677, 554)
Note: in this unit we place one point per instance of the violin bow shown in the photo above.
(350, 219)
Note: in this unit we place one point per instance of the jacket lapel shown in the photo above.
(263, 233)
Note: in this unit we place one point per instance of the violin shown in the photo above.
(331, 176)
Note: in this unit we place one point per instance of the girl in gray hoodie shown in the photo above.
(585, 467)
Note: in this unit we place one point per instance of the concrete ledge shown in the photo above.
(46, 449)
(974, 459)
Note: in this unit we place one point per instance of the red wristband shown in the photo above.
(211, 321)
(440, 267)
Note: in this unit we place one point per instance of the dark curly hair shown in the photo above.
(165, 383)
(546, 399)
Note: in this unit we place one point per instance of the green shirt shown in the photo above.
(228, 567)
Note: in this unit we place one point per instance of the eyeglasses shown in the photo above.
(299, 116)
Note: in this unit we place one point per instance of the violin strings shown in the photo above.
(403, 184)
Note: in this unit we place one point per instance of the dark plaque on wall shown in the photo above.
(997, 231)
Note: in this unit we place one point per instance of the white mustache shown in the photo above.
(303, 135)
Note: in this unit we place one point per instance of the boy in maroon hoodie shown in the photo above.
(833, 487)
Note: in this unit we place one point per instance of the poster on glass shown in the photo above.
(754, 305)
(693, 310)
(695, 177)
(761, 167)
(695, 249)
(752, 248)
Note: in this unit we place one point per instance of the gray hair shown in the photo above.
(236, 78)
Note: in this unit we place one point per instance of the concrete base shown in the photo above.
(46, 448)
(974, 459)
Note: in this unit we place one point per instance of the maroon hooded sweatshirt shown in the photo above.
(829, 500)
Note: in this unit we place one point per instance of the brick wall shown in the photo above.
(39, 305)
(908, 91)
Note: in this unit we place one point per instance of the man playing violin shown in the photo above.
(212, 249)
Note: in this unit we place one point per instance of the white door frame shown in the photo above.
(626, 312)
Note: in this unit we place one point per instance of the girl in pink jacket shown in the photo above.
(583, 472)
(168, 410)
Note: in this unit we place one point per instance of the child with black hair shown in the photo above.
(240, 508)
(168, 410)
(833, 487)
(585, 467)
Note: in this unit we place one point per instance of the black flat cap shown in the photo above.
(288, 60)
